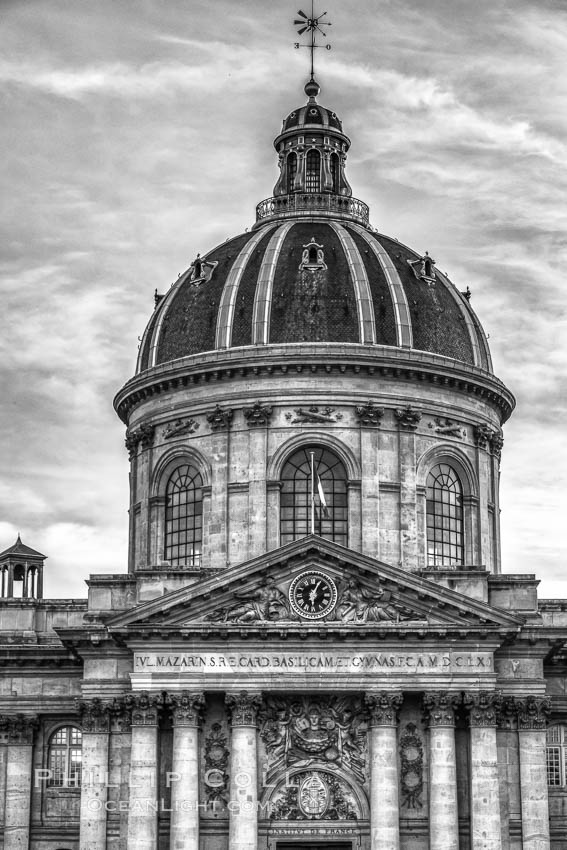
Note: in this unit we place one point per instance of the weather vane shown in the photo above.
(313, 26)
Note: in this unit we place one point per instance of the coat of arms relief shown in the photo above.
(315, 750)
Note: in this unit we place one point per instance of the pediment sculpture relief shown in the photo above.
(358, 604)
(264, 604)
(355, 603)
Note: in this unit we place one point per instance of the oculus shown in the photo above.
(313, 594)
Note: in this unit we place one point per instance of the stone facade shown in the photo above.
(367, 680)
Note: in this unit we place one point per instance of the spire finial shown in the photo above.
(312, 25)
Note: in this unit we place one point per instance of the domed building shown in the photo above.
(314, 644)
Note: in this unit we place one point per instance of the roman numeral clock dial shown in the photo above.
(313, 594)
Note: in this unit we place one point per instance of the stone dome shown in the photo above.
(314, 280)
(312, 286)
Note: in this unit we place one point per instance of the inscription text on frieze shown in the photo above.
(281, 663)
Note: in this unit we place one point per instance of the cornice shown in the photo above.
(491, 637)
(318, 359)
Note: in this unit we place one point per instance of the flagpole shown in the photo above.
(312, 492)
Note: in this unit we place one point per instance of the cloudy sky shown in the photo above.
(138, 132)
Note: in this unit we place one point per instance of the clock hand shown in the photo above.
(313, 593)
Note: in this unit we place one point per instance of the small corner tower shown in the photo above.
(22, 572)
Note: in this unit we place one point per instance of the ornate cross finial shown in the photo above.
(312, 25)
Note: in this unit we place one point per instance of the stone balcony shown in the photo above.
(304, 204)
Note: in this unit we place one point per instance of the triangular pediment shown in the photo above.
(313, 583)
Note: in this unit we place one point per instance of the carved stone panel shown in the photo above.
(447, 428)
(179, 428)
(216, 764)
(303, 731)
(314, 795)
(313, 415)
(411, 767)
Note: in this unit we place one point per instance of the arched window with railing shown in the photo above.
(184, 517)
(335, 171)
(314, 496)
(64, 758)
(444, 508)
(556, 756)
(291, 171)
(313, 172)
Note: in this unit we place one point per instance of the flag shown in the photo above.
(322, 498)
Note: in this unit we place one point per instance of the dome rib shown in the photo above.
(477, 359)
(397, 294)
(264, 290)
(227, 304)
(363, 295)
(163, 308)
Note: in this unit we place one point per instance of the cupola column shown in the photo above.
(142, 813)
(484, 708)
(443, 815)
(94, 781)
(243, 824)
(532, 722)
(18, 781)
(384, 781)
(327, 175)
(186, 708)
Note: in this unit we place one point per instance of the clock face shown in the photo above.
(313, 594)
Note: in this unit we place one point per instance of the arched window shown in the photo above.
(313, 172)
(314, 492)
(64, 758)
(291, 171)
(444, 506)
(184, 517)
(335, 171)
(556, 756)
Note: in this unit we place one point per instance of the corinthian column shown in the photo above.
(184, 834)
(18, 780)
(484, 709)
(142, 814)
(94, 778)
(443, 816)
(384, 783)
(532, 721)
(243, 804)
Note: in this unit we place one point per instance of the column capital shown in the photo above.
(532, 712)
(120, 715)
(94, 715)
(19, 728)
(439, 707)
(484, 707)
(145, 708)
(243, 707)
(186, 708)
(383, 707)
